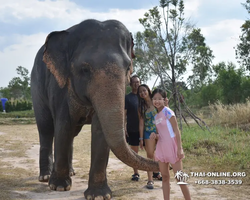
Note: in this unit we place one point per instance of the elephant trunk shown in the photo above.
(108, 101)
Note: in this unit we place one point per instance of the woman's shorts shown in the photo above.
(147, 134)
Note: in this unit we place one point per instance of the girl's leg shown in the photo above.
(150, 148)
(184, 188)
(164, 169)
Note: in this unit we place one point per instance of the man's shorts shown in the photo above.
(133, 139)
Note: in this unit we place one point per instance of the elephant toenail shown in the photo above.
(52, 187)
(89, 197)
(46, 178)
(67, 188)
(107, 197)
(60, 188)
(99, 198)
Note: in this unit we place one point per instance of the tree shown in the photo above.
(169, 45)
(243, 48)
(20, 86)
(210, 94)
(5, 92)
(230, 80)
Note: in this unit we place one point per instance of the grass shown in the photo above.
(17, 117)
(223, 149)
(18, 114)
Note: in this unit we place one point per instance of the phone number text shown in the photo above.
(218, 182)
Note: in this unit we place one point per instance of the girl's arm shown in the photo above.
(141, 127)
(176, 130)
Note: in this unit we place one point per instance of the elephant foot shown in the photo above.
(103, 193)
(60, 184)
(44, 178)
(72, 172)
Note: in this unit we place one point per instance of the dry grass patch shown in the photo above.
(231, 115)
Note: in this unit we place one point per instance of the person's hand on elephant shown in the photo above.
(154, 136)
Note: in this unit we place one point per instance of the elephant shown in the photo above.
(79, 77)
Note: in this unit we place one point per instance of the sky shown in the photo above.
(25, 24)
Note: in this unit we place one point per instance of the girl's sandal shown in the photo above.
(150, 185)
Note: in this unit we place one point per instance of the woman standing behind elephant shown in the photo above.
(146, 112)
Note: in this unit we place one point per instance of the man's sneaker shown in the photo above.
(135, 177)
(157, 176)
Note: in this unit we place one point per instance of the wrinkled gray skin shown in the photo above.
(78, 78)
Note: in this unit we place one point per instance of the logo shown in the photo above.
(182, 177)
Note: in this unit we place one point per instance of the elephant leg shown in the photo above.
(98, 186)
(71, 169)
(60, 178)
(45, 158)
(46, 134)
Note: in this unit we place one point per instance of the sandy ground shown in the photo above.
(80, 184)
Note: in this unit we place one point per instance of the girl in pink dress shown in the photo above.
(169, 147)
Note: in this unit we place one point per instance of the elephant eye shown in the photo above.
(85, 68)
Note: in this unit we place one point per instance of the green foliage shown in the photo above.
(5, 92)
(245, 88)
(200, 56)
(210, 94)
(243, 48)
(18, 105)
(19, 114)
(230, 81)
(230, 86)
(192, 98)
(19, 87)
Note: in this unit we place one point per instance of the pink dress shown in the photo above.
(166, 148)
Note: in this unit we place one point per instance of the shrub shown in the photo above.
(18, 105)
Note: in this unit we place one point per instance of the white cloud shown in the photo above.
(222, 37)
(24, 9)
(65, 12)
(20, 54)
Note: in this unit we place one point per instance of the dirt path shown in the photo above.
(26, 136)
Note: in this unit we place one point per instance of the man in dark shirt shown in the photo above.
(132, 120)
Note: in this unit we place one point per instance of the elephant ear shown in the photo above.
(132, 46)
(132, 54)
(55, 56)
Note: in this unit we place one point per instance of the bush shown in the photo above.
(18, 105)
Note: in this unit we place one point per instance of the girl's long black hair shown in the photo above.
(160, 91)
(141, 102)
